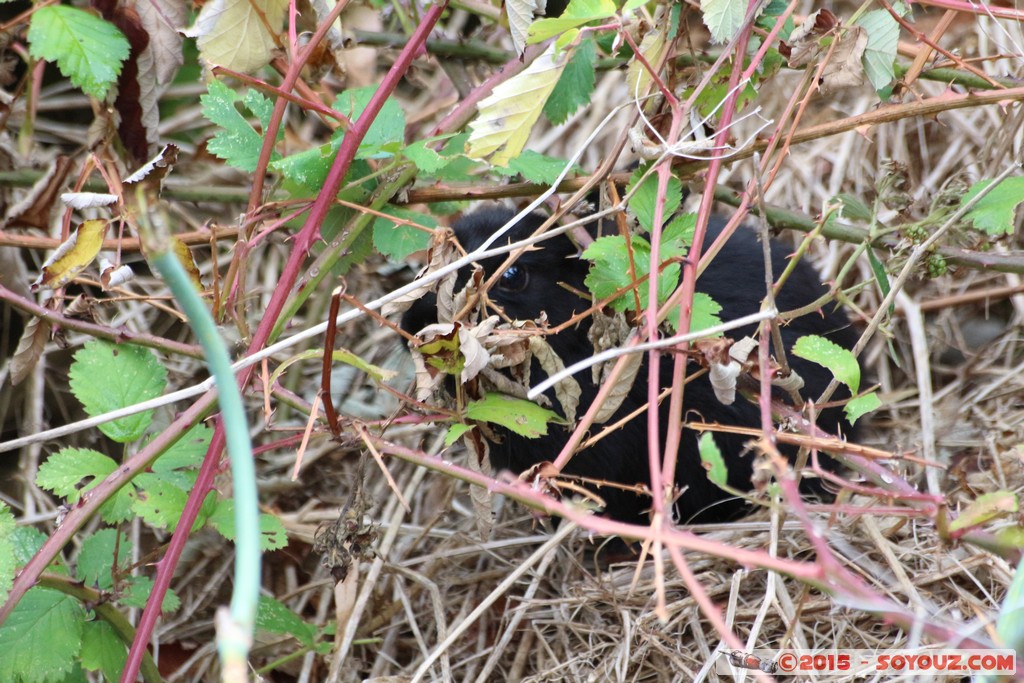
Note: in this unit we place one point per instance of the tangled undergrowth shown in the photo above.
(378, 568)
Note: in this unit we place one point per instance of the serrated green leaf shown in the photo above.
(576, 14)
(95, 566)
(42, 637)
(309, 167)
(137, 592)
(644, 200)
(386, 135)
(712, 460)
(638, 75)
(427, 159)
(535, 167)
(159, 502)
(8, 561)
(275, 617)
(86, 49)
(398, 240)
(994, 213)
(575, 85)
(455, 431)
(71, 471)
(103, 651)
(841, 362)
(106, 377)
(506, 117)
(26, 542)
(273, 535)
(520, 416)
(188, 451)
(880, 54)
(861, 405)
(723, 18)
(705, 313)
(610, 268)
(237, 142)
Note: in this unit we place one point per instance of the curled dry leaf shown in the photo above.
(482, 498)
(72, 256)
(803, 45)
(30, 349)
(87, 200)
(35, 209)
(112, 275)
(568, 390)
(845, 69)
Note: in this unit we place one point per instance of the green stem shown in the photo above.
(234, 637)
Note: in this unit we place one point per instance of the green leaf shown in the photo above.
(705, 313)
(26, 542)
(102, 650)
(535, 167)
(644, 201)
(854, 208)
(158, 501)
(70, 472)
(841, 362)
(187, 452)
(96, 558)
(881, 276)
(275, 617)
(106, 377)
(576, 14)
(994, 212)
(880, 54)
(237, 143)
(861, 405)
(723, 18)
(1010, 625)
(425, 157)
(520, 416)
(87, 49)
(41, 640)
(386, 135)
(272, 532)
(712, 460)
(455, 431)
(984, 509)
(575, 86)
(8, 561)
(137, 592)
(307, 168)
(506, 117)
(398, 240)
(610, 267)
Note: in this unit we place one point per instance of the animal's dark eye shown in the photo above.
(514, 279)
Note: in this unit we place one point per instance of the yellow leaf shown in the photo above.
(639, 79)
(72, 256)
(233, 33)
(184, 255)
(507, 116)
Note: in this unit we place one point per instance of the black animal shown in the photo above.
(735, 279)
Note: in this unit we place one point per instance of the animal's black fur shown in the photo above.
(735, 279)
